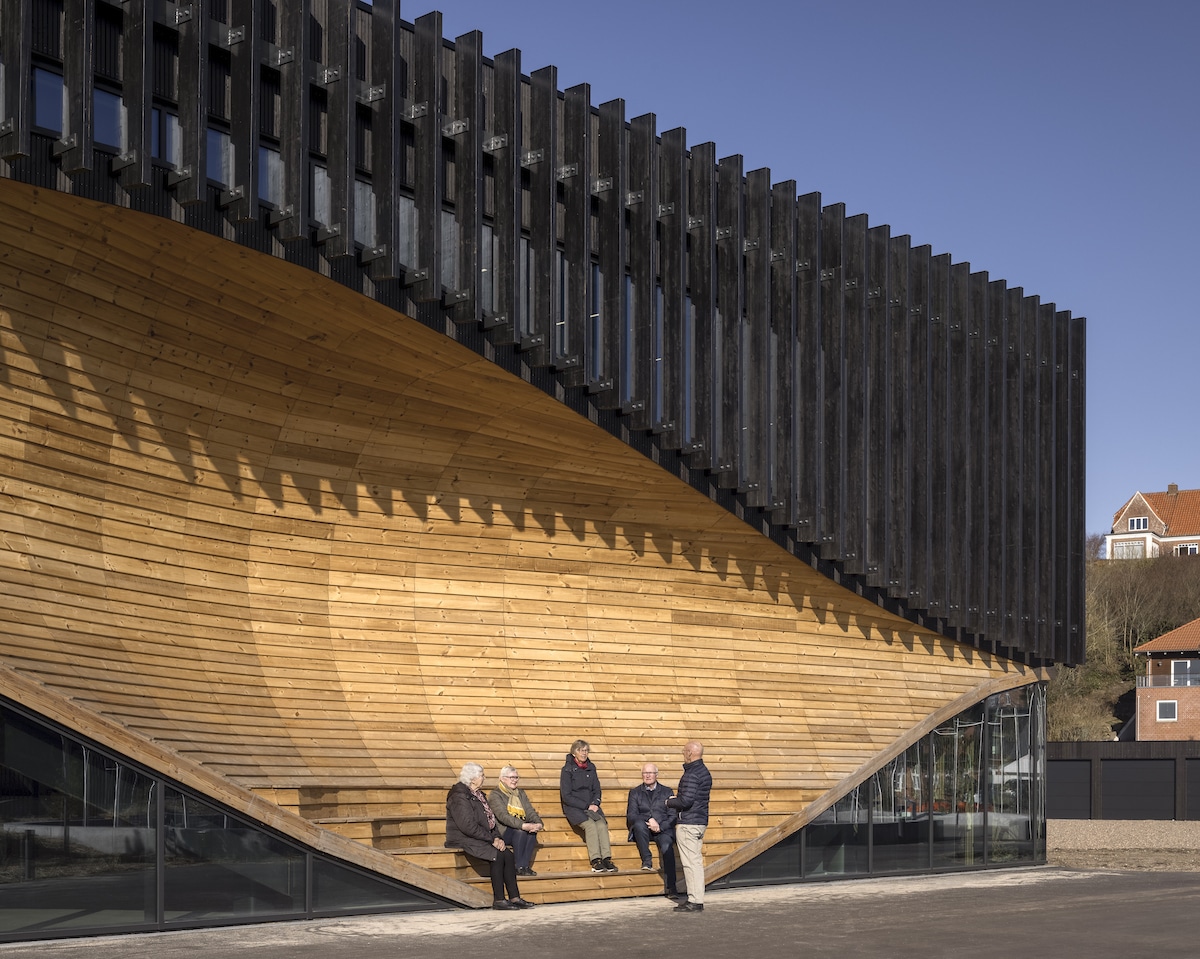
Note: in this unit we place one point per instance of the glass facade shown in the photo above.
(90, 843)
(969, 795)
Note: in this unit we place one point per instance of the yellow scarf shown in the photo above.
(515, 807)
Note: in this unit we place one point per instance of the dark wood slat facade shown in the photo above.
(914, 430)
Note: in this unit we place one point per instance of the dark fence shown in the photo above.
(910, 426)
(1116, 780)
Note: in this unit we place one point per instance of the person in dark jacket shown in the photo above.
(520, 820)
(691, 802)
(579, 789)
(649, 818)
(471, 827)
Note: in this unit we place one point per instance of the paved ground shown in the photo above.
(1038, 912)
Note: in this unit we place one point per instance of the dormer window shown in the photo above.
(1138, 523)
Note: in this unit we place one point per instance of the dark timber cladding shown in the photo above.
(910, 427)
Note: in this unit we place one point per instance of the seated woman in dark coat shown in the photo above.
(471, 826)
(579, 789)
(520, 820)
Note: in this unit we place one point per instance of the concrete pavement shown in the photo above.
(1036, 912)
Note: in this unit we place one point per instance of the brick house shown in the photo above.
(1156, 524)
(1168, 695)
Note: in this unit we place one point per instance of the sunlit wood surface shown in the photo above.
(302, 542)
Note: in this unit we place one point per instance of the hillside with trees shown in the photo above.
(1129, 602)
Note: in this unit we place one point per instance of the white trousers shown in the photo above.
(689, 840)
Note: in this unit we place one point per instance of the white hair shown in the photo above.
(470, 772)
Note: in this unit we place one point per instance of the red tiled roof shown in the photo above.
(1179, 510)
(1185, 639)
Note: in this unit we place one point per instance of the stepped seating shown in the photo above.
(409, 823)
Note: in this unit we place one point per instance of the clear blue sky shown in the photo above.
(1053, 143)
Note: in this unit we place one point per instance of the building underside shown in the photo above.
(301, 513)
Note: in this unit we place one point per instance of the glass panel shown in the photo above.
(364, 213)
(450, 261)
(1012, 775)
(835, 843)
(77, 845)
(957, 765)
(780, 863)
(48, 95)
(219, 867)
(338, 889)
(487, 273)
(900, 812)
(406, 215)
(109, 119)
(270, 176)
(218, 147)
(320, 195)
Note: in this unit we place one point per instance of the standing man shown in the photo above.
(650, 818)
(691, 801)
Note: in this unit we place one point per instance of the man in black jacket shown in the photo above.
(695, 786)
(650, 818)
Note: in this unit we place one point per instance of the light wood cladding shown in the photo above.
(298, 539)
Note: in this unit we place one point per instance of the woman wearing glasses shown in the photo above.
(520, 820)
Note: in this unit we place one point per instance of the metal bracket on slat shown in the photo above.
(572, 362)
(695, 222)
(283, 56)
(229, 197)
(599, 386)
(875, 292)
(495, 144)
(532, 157)
(454, 128)
(416, 276)
(693, 448)
(235, 35)
(373, 94)
(567, 171)
(175, 177)
(748, 245)
(329, 75)
(183, 14)
(327, 233)
(369, 254)
(829, 273)
(122, 161)
(458, 296)
(634, 406)
(532, 342)
(634, 197)
(664, 426)
(803, 265)
(852, 283)
(602, 184)
(62, 146)
(724, 232)
(666, 209)
(776, 256)
(414, 111)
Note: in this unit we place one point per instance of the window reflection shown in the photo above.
(836, 843)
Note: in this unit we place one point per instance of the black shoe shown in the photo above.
(609, 865)
(598, 865)
(504, 904)
(521, 903)
(672, 894)
(647, 867)
(689, 907)
(526, 871)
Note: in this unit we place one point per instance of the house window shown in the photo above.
(1187, 549)
(1137, 523)
(1166, 711)
(1185, 672)
(1129, 550)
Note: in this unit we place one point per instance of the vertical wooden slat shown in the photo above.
(292, 217)
(642, 217)
(855, 394)
(833, 384)
(1013, 606)
(241, 197)
(756, 372)
(979, 402)
(959, 400)
(1074, 527)
(429, 167)
(506, 146)
(702, 281)
(137, 59)
(939, 438)
(808, 366)
(997, 439)
(611, 186)
(920, 519)
(16, 56)
(878, 357)
(191, 179)
(899, 415)
(338, 76)
(1030, 432)
(571, 356)
(1047, 502)
(542, 162)
(731, 237)
(673, 264)
(74, 148)
(781, 353)
(466, 128)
